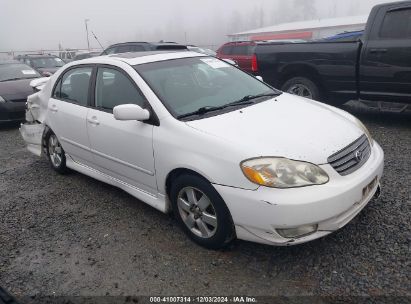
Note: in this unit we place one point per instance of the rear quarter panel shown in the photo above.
(332, 65)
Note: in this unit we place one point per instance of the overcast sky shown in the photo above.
(44, 24)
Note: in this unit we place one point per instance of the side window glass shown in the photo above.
(113, 88)
(397, 25)
(227, 50)
(136, 48)
(110, 51)
(57, 90)
(239, 50)
(75, 85)
(124, 49)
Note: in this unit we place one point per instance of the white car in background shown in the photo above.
(228, 154)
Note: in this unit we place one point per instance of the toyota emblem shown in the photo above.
(358, 156)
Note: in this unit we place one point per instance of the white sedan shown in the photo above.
(228, 154)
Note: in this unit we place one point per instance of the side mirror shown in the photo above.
(131, 112)
(259, 78)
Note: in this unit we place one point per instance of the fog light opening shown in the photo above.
(298, 232)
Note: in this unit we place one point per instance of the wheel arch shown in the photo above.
(302, 70)
(175, 173)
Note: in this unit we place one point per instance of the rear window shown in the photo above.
(397, 25)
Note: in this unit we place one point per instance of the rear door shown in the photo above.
(67, 112)
(121, 149)
(242, 54)
(385, 71)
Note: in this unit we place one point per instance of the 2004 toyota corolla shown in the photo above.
(228, 154)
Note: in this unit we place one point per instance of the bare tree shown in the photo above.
(306, 8)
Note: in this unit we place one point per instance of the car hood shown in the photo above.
(50, 70)
(286, 126)
(16, 89)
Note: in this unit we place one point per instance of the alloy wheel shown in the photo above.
(55, 151)
(300, 90)
(197, 212)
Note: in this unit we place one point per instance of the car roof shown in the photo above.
(136, 58)
(143, 42)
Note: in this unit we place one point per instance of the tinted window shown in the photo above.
(242, 50)
(113, 88)
(57, 90)
(397, 25)
(110, 51)
(226, 50)
(75, 84)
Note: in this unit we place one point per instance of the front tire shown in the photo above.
(303, 87)
(55, 153)
(201, 212)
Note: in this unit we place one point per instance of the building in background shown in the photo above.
(307, 30)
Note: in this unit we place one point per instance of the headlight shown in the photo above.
(2, 100)
(283, 173)
(364, 129)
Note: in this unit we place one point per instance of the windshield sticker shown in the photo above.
(28, 72)
(215, 63)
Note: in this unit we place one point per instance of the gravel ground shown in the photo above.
(72, 235)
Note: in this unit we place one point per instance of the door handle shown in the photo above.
(376, 51)
(93, 120)
(53, 108)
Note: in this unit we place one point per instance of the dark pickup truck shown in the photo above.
(376, 67)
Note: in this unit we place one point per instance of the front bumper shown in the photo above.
(257, 214)
(12, 111)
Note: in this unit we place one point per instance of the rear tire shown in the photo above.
(55, 152)
(303, 87)
(201, 212)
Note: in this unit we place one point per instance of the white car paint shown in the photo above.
(138, 157)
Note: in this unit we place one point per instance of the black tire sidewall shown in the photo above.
(315, 92)
(62, 168)
(225, 229)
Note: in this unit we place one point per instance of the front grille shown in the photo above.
(352, 157)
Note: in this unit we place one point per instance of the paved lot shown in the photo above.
(72, 235)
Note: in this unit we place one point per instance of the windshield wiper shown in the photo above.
(246, 100)
(251, 97)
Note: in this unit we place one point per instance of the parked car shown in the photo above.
(45, 64)
(242, 53)
(142, 47)
(15, 80)
(227, 153)
(200, 50)
(86, 55)
(67, 55)
(376, 67)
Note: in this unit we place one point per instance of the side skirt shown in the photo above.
(159, 202)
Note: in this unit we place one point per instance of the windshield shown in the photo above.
(189, 84)
(47, 62)
(14, 71)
